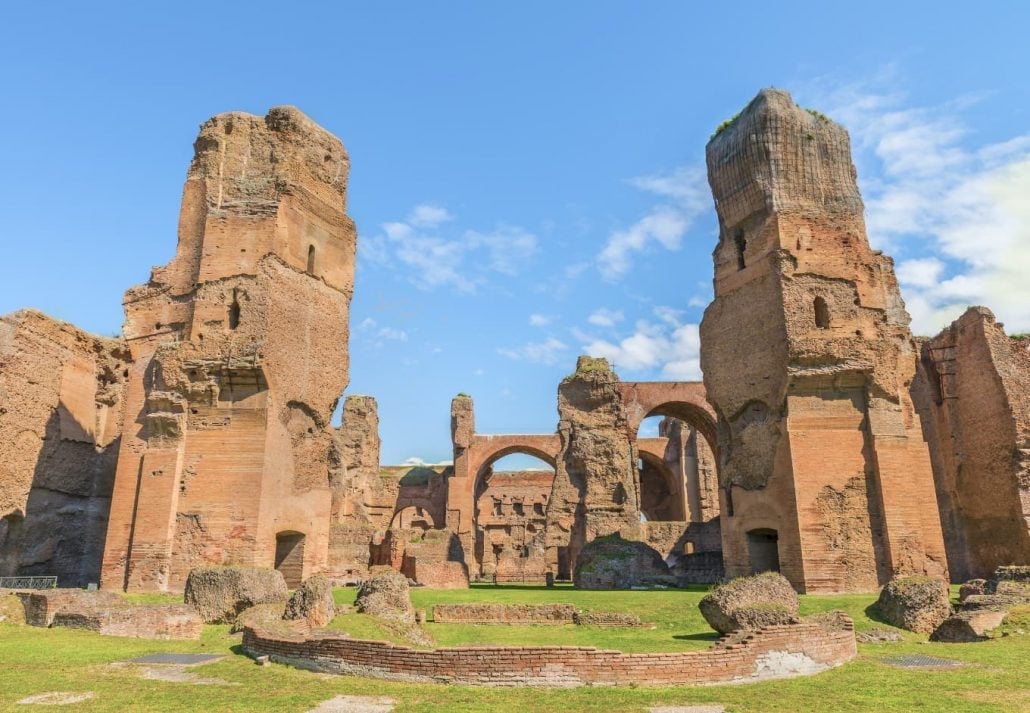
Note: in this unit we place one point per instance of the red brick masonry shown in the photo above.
(776, 651)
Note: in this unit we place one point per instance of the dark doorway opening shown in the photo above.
(289, 557)
(763, 550)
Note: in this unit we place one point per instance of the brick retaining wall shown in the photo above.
(481, 613)
(772, 652)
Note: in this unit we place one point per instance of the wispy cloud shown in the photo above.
(438, 253)
(955, 212)
(605, 317)
(685, 197)
(549, 351)
(540, 320)
(667, 348)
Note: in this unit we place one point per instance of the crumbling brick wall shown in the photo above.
(241, 339)
(60, 422)
(730, 659)
(595, 486)
(973, 396)
(807, 358)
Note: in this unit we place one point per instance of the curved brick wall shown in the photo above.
(775, 651)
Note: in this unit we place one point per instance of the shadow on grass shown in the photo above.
(568, 587)
(705, 636)
(873, 613)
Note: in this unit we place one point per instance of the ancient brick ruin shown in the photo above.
(807, 359)
(973, 395)
(825, 441)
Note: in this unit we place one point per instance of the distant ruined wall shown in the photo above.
(510, 525)
(973, 396)
(60, 420)
(357, 445)
(595, 485)
(807, 358)
(239, 350)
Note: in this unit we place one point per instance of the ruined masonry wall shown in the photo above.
(60, 421)
(973, 395)
(239, 357)
(807, 358)
(752, 657)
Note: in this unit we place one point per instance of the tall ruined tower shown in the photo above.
(807, 359)
(239, 349)
(595, 490)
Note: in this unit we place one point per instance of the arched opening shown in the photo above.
(822, 313)
(659, 499)
(511, 494)
(679, 489)
(311, 260)
(741, 244)
(234, 310)
(289, 557)
(413, 517)
(763, 550)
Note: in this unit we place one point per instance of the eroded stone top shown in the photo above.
(777, 156)
(252, 160)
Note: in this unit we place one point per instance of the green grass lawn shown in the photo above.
(996, 676)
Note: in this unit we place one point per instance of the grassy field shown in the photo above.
(996, 676)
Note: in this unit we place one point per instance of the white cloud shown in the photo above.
(428, 215)
(508, 247)
(687, 197)
(928, 189)
(417, 461)
(605, 317)
(441, 255)
(668, 349)
(540, 320)
(920, 272)
(548, 351)
(397, 335)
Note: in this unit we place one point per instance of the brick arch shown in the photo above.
(412, 504)
(685, 400)
(534, 449)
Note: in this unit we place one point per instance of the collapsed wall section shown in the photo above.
(60, 421)
(594, 491)
(973, 396)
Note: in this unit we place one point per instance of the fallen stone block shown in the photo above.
(145, 621)
(968, 626)
(915, 603)
(747, 603)
(220, 594)
(313, 602)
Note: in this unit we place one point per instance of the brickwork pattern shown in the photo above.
(731, 659)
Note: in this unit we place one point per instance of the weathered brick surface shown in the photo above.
(973, 396)
(60, 418)
(107, 613)
(504, 613)
(739, 658)
(142, 621)
(239, 354)
(807, 359)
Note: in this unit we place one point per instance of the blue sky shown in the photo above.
(527, 178)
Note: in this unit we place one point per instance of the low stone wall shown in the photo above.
(504, 614)
(107, 613)
(436, 575)
(772, 652)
